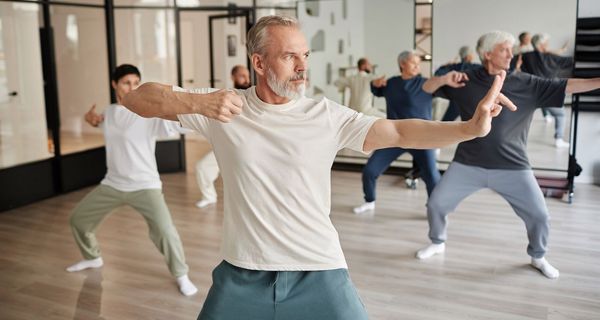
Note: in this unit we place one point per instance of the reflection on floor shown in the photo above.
(483, 275)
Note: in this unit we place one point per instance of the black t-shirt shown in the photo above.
(505, 147)
(546, 65)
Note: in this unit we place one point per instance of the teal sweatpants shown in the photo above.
(96, 205)
(241, 294)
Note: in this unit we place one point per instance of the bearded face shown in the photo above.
(293, 87)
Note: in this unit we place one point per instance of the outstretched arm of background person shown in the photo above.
(155, 100)
(453, 79)
(422, 134)
(93, 118)
(342, 83)
(582, 85)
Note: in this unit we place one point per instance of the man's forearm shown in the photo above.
(157, 100)
(582, 85)
(422, 134)
(160, 101)
(434, 83)
(416, 134)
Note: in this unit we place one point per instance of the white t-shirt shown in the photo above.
(276, 163)
(130, 144)
(361, 98)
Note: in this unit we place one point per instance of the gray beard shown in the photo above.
(284, 88)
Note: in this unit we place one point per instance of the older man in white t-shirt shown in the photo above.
(282, 255)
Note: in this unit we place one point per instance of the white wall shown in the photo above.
(389, 30)
(462, 22)
(589, 8)
(350, 30)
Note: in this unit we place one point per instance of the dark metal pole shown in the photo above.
(110, 44)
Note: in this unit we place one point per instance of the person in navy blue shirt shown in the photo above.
(466, 63)
(405, 99)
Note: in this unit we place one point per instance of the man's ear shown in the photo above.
(487, 55)
(113, 84)
(259, 65)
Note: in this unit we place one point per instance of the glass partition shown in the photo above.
(23, 128)
(82, 73)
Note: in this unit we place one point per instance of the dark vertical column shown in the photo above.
(109, 14)
(51, 93)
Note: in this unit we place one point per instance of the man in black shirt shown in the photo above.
(543, 63)
(499, 160)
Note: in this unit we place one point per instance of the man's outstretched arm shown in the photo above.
(582, 85)
(423, 134)
(155, 100)
(453, 79)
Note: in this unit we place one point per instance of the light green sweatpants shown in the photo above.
(96, 205)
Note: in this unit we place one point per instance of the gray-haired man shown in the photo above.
(282, 255)
(499, 160)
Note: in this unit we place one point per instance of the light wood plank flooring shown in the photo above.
(483, 275)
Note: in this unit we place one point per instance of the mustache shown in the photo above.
(300, 75)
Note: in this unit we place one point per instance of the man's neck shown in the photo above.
(492, 70)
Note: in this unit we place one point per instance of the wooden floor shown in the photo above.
(483, 275)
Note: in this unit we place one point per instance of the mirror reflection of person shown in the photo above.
(131, 179)
(281, 252)
(405, 99)
(207, 168)
(467, 56)
(546, 64)
(361, 98)
(499, 160)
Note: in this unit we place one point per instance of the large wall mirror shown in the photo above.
(340, 32)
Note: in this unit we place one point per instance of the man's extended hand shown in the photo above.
(93, 118)
(221, 105)
(379, 82)
(455, 79)
(489, 107)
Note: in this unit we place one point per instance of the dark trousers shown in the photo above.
(381, 160)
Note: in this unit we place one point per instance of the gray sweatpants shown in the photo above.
(518, 187)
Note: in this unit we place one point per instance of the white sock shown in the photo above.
(186, 286)
(86, 264)
(431, 250)
(544, 266)
(365, 207)
(204, 202)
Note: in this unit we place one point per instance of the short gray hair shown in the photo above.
(488, 41)
(404, 55)
(463, 52)
(539, 39)
(257, 35)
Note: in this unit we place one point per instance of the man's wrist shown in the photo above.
(467, 129)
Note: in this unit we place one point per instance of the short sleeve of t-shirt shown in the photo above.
(168, 129)
(549, 92)
(352, 127)
(195, 122)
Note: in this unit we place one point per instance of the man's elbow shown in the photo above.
(129, 101)
(428, 87)
(135, 102)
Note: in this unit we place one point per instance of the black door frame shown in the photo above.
(211, 19)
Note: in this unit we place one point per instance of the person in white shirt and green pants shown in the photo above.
(132, 179)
